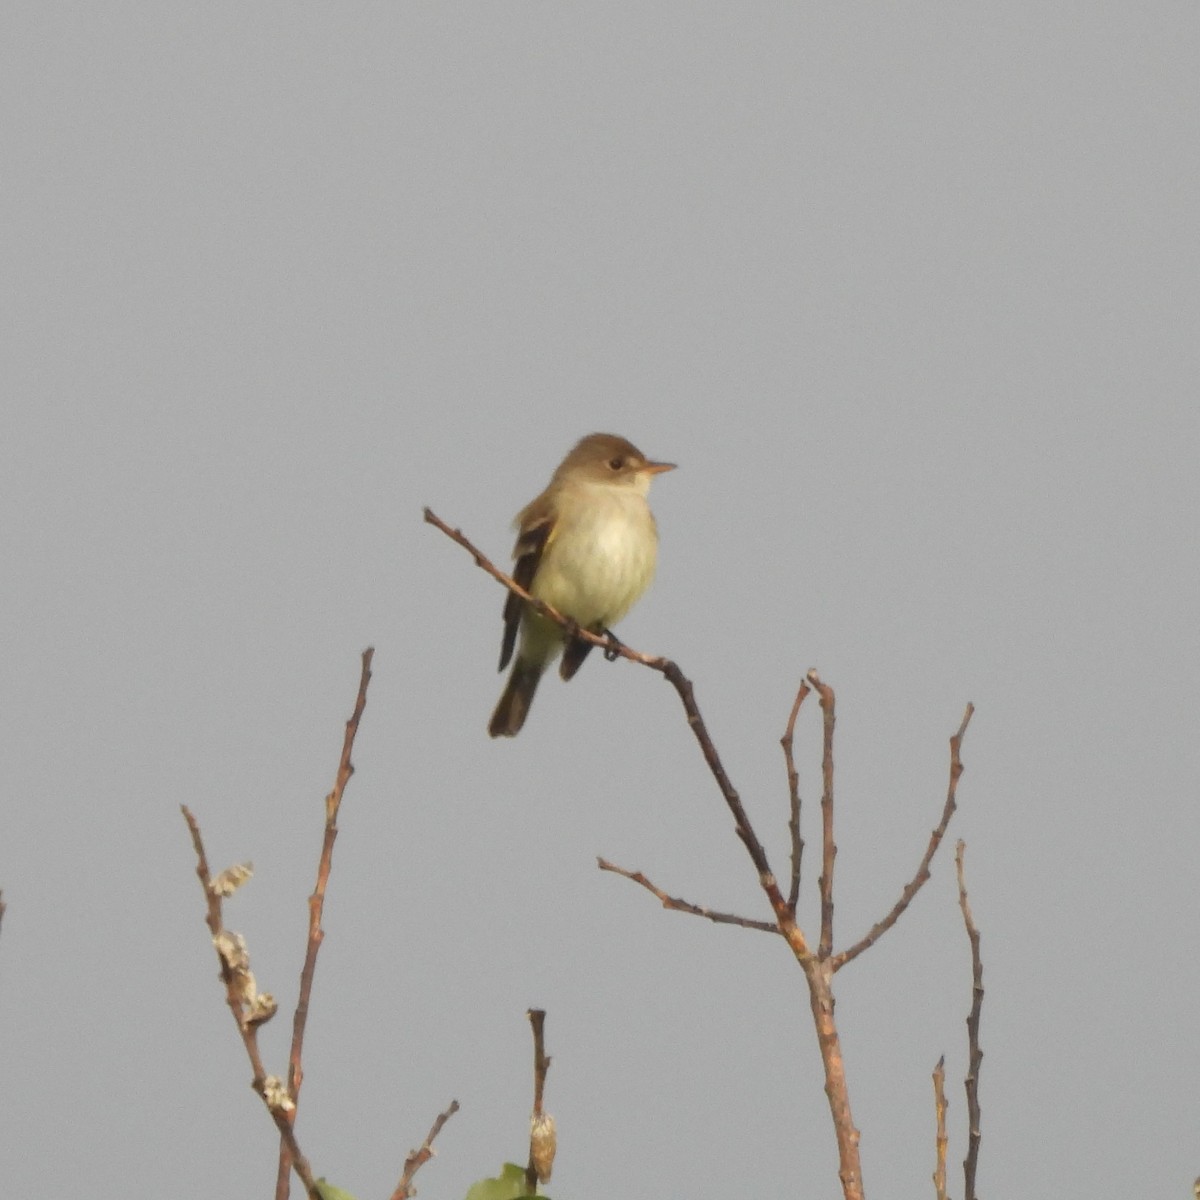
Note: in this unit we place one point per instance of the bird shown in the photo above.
(587, 546)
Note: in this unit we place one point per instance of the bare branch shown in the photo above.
(939, 1108)
(922, 875)
(418, 1158)
(677, 905)
(316, 906)
(280, 1097)
(794, 798)
(974, 1117)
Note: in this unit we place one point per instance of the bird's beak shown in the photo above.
(657, 468)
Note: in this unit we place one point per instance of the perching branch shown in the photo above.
(683, 688)
(922, 875)
(316, 906)
(975, 1059)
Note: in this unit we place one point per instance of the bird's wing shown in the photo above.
(531, 543)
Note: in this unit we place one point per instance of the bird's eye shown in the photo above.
(616, 463)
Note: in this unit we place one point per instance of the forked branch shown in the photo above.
(419, 1157)
(239, 990)
(819, 966)
(816, 972)
(252, 1009)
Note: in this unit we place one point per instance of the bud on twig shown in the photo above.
(276, 1095)
(543, 1142)
(260, 1010)
(231, 879)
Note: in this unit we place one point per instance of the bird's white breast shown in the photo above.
(601, 556)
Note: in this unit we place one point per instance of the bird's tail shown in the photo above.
(514, 703)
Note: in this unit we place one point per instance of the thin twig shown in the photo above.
(542, 1136)
(935, 840)
(939, 1108)
(675, 904)
(794, 797)
(418, 1158)
(316, 906)
(233, 997)
(828, 846)
(213, 901)
(974, 1117)
(541, 1060)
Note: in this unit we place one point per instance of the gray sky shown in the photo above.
(910, 294)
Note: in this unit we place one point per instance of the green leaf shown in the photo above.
(508, 1185)
(328, 1192)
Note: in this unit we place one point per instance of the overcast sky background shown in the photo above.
(910, 292)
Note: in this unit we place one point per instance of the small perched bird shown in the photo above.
(587, 547)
